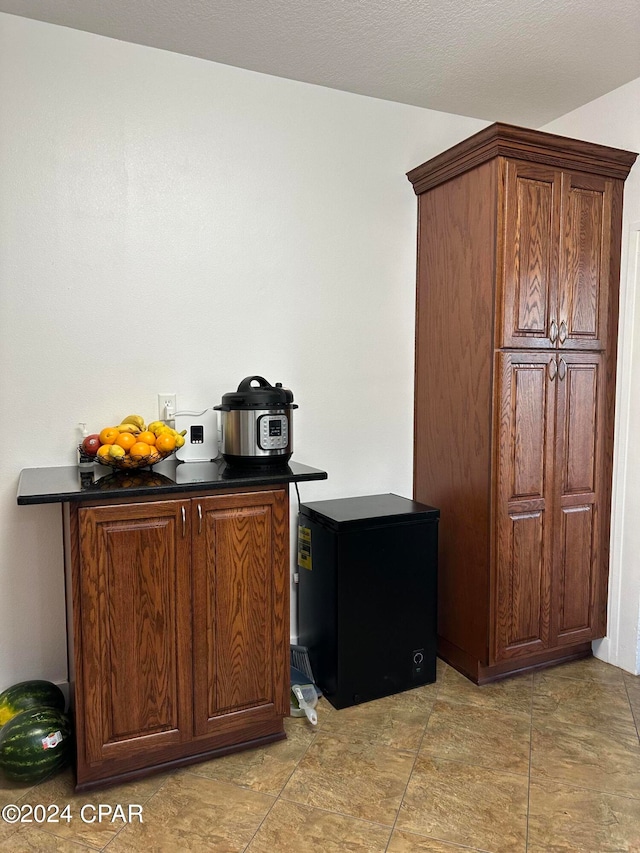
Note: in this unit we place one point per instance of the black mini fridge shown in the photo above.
(367, 595)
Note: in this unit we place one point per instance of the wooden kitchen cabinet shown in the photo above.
(180, 629)
(516, 331)
(549, 497)
(557, 244)
(240, 611)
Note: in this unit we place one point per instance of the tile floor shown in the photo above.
(534, 764)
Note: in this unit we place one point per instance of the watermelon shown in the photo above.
(27, 695)
(34, 744)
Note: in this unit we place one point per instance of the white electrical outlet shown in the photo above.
(164, 401)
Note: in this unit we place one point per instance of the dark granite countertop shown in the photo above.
(68, 483)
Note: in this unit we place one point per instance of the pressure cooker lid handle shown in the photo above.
(245, 385)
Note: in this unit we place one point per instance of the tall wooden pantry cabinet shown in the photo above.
(516, 331)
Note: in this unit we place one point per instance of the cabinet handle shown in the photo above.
(553, 331)
(199, 519)
(563, 332)
(553, 369)
(562, 369)
(184, 522)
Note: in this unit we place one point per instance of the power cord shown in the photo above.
(170, 415)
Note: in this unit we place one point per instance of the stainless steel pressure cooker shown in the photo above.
(256, 423)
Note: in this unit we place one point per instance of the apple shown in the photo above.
(90, 444)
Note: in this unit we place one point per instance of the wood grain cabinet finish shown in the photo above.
(557, 227)
(180, 629)
(516, 331)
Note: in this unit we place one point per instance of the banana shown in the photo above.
(136, 420)
(130, 428)
(155, 425)
(179, 440)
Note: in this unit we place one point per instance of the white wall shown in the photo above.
(614, 120)
(169, 224)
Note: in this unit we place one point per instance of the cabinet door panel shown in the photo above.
(241, 608)
(575, 582)
(529, 286)
(579, 472)
(584, 260)
(579, 399)
(522, 587)
(134, 577)
(240, 601)
(527, 429)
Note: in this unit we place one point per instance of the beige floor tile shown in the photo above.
(191, 813)
(397, 721)
(633, 692)
(606, 761)
(32, 839)
(512, 695)
(293, 828)
(477, 735)
(265, 769)
(7, 830)
(11, 792)
(362, 780)
(587, 669)
(565, 819)
(466, 805)
(58, 790)
(568, 701)
(407, 842)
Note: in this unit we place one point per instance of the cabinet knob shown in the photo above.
(553, 331)
(199, 519)
(562, 369)
(553, 369)
(184, 522)
(562, 336)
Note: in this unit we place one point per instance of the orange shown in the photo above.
(104, 449)
(126, 440)
(148, 437)
(109, 435)
(139, 450)
(165, 442)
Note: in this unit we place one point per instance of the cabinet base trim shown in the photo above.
(130, 775)
(480, 673)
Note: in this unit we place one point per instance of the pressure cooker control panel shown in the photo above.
(273, 432)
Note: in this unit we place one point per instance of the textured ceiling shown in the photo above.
(505, 60)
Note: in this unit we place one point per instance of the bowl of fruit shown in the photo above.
(132, 444)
